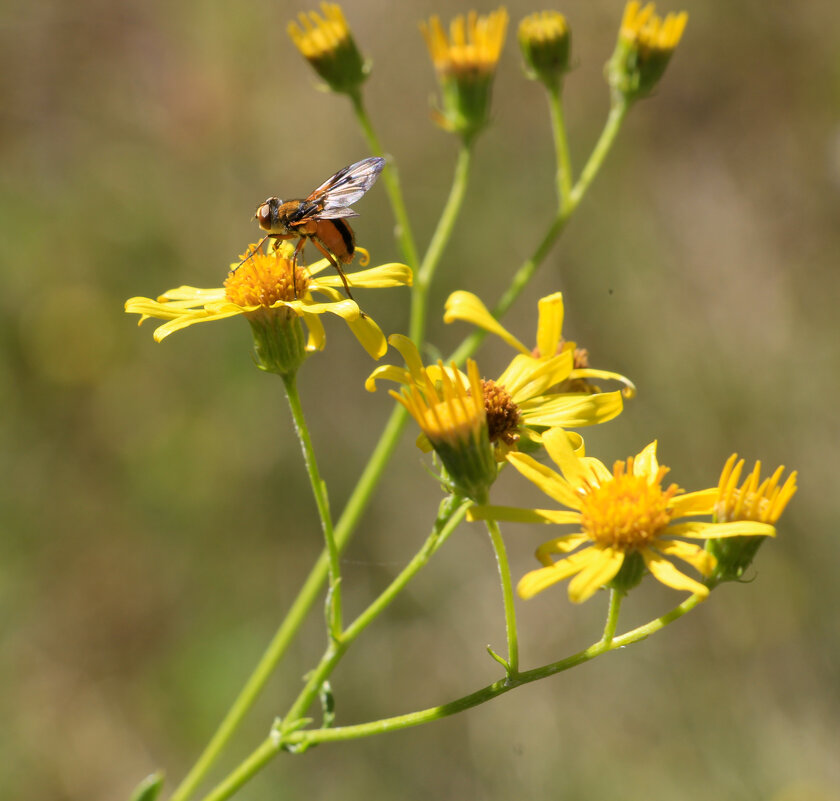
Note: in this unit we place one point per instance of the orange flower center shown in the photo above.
(628, 512)
(502, 413)
(264, 279)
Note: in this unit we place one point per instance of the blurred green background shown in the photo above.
(155, 517)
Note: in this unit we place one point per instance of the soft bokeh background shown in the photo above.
(155, 517)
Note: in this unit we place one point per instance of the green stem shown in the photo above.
(440, 238)
(512, 665)
(526, 272)
(616, 598)
(391, 179)
(561, 147)
(450, 515)
(493, 690)
(319, 490)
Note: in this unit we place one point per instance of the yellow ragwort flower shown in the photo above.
(468, 307)
(261, 290)
(465, 63)
(645, 44)
(327, 44)
(449, 408)
(545, 41)
(520, 403)
(626, 521)
(762, 501)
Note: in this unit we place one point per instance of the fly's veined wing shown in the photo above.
(345, 188)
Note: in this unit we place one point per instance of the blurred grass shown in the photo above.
(156, 521)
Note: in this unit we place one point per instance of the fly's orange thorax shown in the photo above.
(337, 237)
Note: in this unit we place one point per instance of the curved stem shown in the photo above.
(391, 179)
(440, 238)
(512, 665)
(319, 490)
(495, 689)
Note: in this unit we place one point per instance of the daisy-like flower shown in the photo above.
(645, 45)
(327, 44)
(518, 404)
(465, 306)
(466, 65)
(545, 41)
(762, 501)
(626, 520)
(264, 290)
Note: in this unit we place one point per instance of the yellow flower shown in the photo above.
(327, 44)
(626, 521)
(545, 41)
(465, 306)
(466, 64)
(261, 289)
(518, 404)
(449, 408)
(762, 501)
(645, 44)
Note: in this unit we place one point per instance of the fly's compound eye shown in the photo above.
(263, 215)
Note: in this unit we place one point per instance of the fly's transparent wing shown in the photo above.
(337, 193)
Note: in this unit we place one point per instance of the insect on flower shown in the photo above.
(320, 217)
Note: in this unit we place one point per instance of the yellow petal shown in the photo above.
(572, 411)
(388, 372)
(699, 559)
(550, 324)
(629, 390)
(465, 306)
(381, 277)
(561, 451)
(186, 320)
(694, 503)
(514, 514)
(600, 569)
(195, 294)
(559, 545)
(369, 335)
(666, 573)
(645, 463)
(527, 376)
(408, 350)
(317, 336)
(714, 531)
(551, 483)
(542, 578)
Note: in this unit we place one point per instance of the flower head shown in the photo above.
(327, 44)
(645, 44)
(545, 41)
(524, 400)
(762, 501)
(550, 343)
(466, 64)
(626, 521)
(263, 290)
(450, 409)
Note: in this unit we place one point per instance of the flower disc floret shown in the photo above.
(503, 416)
(263, 280)
(627, 512)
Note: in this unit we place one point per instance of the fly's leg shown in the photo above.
(335, 264)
